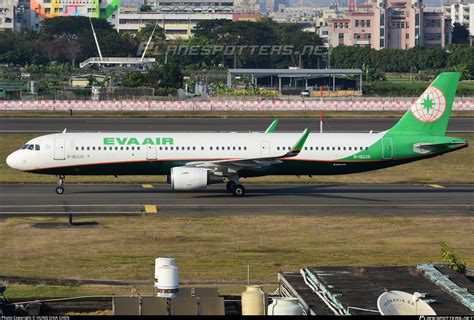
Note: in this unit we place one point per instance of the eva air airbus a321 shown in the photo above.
(194, 160)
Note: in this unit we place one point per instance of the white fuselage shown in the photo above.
(79, 149)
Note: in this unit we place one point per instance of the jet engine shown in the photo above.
(184, 178)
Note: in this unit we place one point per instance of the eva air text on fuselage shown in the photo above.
(138, 141)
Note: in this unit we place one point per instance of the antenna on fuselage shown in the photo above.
(65, 129)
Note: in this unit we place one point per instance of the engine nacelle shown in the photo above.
(184, 178)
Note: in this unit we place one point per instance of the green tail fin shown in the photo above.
(430, 113)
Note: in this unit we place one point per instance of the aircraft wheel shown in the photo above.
(59, 190)
(230, 185)
(238, 190)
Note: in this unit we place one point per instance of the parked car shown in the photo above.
(305, 93)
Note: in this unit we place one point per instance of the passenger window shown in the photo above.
(306, 148)
(333, 148)
(228, 148)
(171, 148)
(182, 148)
(93, 148)
(99, 148)
(37, 147)
(278, 148)
(194, 148)
(110, 148)
(217, 148)
(210, 148)
(233, 148)
(240, 148)
(366, 148)
(245, 148)
(311, 148)
(189, 148)
(350, 148)
(166, 148)
(133, 148)
(126, 148)
(77, 148)
(202, 148)
(116, 148)
(88, 148)
(138, 148)
(121, 148)
(339, 148)
(344, 148)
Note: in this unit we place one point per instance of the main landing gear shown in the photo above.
(235, 188)
(60, 187)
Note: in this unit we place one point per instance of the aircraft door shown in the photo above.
(265, 149)
(387, 148)
(59, 149)
(151, 152)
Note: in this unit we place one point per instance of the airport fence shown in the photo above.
(354, 104)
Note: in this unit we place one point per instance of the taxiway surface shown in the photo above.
(274, 199)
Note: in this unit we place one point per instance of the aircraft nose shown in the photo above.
(12, 160)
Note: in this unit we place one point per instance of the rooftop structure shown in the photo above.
(354, 290)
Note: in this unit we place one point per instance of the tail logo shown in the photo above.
(430, 106)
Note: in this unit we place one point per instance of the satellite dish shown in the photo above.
(403, 303)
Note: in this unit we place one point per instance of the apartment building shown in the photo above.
(400, 24)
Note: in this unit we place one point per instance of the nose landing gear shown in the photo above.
(60, 187)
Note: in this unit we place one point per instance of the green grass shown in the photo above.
(454, 167)
(219, 248)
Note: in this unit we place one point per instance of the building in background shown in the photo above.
(45, 9)
(176, 19)
(7, 14)
(246, 6)
(399, 24)
(462, 12)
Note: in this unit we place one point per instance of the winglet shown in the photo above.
(271, 128)
(299, 144)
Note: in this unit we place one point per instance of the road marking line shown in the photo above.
(147, 186)
(436, 186)
(150, 208)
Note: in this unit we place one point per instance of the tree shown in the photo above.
(144, 33)
(145, 8)
(460, 34)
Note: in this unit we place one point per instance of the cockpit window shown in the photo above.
(31, 147)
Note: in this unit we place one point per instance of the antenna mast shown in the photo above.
(149, 40)
(95, 38)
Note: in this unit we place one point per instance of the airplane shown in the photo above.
(192, 161)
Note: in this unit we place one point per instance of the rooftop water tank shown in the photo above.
(166, 277)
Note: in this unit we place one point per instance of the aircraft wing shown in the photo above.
(231, 166)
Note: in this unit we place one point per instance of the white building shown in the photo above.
(7, 14)
(462, 12)
(175, 25)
